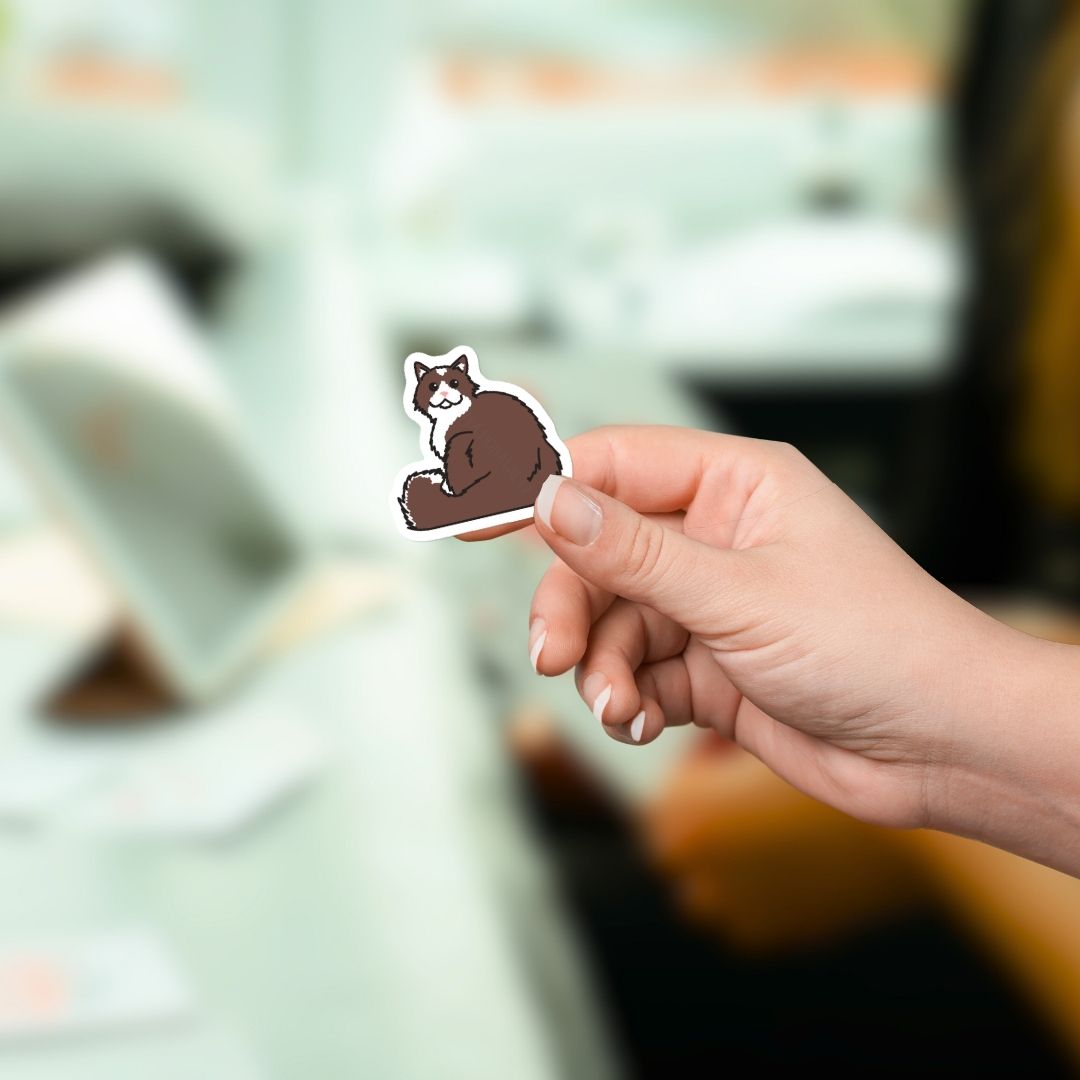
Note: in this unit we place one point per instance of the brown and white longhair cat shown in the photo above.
(494, 450)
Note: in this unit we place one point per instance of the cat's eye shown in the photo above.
(453, 383)
(433, 386)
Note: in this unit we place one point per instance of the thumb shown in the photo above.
(607, 543)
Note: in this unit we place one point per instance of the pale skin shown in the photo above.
(726, 582)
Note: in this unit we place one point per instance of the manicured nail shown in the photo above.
(565, 509)
(537, 637)
(597, 689)
(633, 729)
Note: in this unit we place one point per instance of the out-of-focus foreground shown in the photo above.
(314, 816)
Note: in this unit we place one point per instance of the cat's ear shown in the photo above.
(462, 363)
(420, 370)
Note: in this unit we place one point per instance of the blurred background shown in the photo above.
(389, 850)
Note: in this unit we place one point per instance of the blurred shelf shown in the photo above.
(803, 298)
(800, 301)
(76, 176)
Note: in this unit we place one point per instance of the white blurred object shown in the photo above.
(408, 171)
(123, 314)
(126, 318)
(806, 296)
(45, 582)
(213, 773)
(110, 396)
(103, 981)
(164, 1052)
(305, 353)
(209, 783)
(34, 781)
(801, 269)
(514, 170)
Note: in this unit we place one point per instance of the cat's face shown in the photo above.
(442, 388)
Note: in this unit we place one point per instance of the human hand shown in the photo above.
(727, 582)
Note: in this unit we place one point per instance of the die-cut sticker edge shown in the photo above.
(432, 463)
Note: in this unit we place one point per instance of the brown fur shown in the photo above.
(496, 458)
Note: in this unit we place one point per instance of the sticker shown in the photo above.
(487, 449)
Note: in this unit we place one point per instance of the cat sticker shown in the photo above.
(487, 449)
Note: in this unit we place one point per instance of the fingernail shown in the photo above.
(574, 516)
(633, 729)
(597, 689)
(537, 637)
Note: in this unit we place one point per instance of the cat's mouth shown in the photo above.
(445, 403)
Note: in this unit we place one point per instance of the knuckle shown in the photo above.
(647, 684)
(785, 451)
(643, 556)
(791, 463)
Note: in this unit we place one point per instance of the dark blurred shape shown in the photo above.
(197, 272)
(818, 947)
(113, 684)
(987, 514)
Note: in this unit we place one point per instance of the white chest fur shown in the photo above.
(441, 422)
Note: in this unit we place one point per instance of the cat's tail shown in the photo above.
(427, 505)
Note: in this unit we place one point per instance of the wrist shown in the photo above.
(1007, 768)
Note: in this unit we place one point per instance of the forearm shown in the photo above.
(1009, 773)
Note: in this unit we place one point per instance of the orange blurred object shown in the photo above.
(472, 79)
(766, 867)
(90, 78)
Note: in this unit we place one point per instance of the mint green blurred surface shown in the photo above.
(364, 928)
